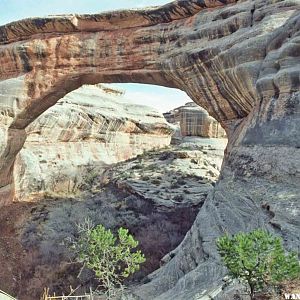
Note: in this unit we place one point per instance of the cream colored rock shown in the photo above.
(193, 120)
(85, 131)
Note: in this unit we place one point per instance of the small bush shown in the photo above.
(112, 258)
(137, 167)
(145, 178)
(258, 260)
(155, 181)
(178, 198)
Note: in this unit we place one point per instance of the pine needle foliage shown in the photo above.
(257, 259)
(113, 258)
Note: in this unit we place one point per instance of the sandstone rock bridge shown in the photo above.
(239, 59)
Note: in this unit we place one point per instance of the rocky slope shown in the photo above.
(156, 195)
(237, 59)
(90, 127)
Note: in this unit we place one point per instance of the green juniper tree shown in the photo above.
(257, 259)
(112, 258)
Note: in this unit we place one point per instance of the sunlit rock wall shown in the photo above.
(195, 121)
(85, 131)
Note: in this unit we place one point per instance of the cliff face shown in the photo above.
(88, 129)
(194, 121)
(239, 61)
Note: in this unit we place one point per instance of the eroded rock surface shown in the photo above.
(89, 128)
(193, 120)
(237, 59)
(156, 196)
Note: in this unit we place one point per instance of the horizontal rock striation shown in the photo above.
(237, 59)
(193, 120)
(85, 132)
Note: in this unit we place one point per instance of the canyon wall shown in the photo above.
(237, 59)
(86, 131)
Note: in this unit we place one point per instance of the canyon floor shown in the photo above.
(157, 195)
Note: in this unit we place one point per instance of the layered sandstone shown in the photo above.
(194, 120)
(86, 131)
(237, 59)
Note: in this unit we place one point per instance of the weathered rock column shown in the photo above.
(12, 96)
(12, 141)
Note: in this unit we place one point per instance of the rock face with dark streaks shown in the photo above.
(237, 59)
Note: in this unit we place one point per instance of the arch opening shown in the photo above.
(71, 163)
(65, 52)
(101, 125)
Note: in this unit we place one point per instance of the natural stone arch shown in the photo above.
(58, 54)
(239, 61)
